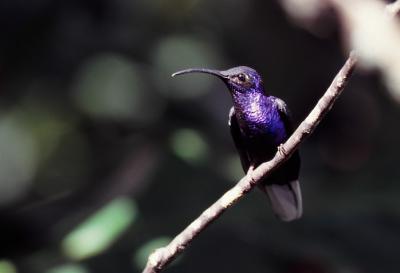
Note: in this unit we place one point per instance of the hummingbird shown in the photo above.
(259, 123)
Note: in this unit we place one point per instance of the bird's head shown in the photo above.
(240, 79)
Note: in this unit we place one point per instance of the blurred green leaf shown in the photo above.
(68, 268)
(189, 145)
(18, 157)
(110, 86)
(7, 267)
(99, 231)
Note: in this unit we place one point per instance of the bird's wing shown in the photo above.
(285, 196)
(238, 140)
(294, 162)
(285, 115)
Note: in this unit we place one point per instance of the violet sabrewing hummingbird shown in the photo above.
(259, 124)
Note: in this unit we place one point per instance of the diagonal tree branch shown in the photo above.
(163, 256)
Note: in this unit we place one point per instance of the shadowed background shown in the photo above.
(104, 157)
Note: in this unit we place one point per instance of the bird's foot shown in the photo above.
(249, 174)
(282, 150)
(250, 170)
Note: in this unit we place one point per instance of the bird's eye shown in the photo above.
(242, 77)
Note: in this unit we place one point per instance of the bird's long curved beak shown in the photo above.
(217, 73)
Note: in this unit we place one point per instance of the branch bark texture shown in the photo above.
(163, 256)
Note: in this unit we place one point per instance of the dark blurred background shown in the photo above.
(104, 157)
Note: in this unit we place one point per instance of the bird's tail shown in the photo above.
(286, 200)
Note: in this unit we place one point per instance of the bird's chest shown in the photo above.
(262, 135)
(262, 125)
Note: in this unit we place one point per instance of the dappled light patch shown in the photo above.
(98, 232)
(19, 158)
(68, 268)
(110, 86)
(189, 145)
(7, 266)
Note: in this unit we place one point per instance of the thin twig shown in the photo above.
(163, 256)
